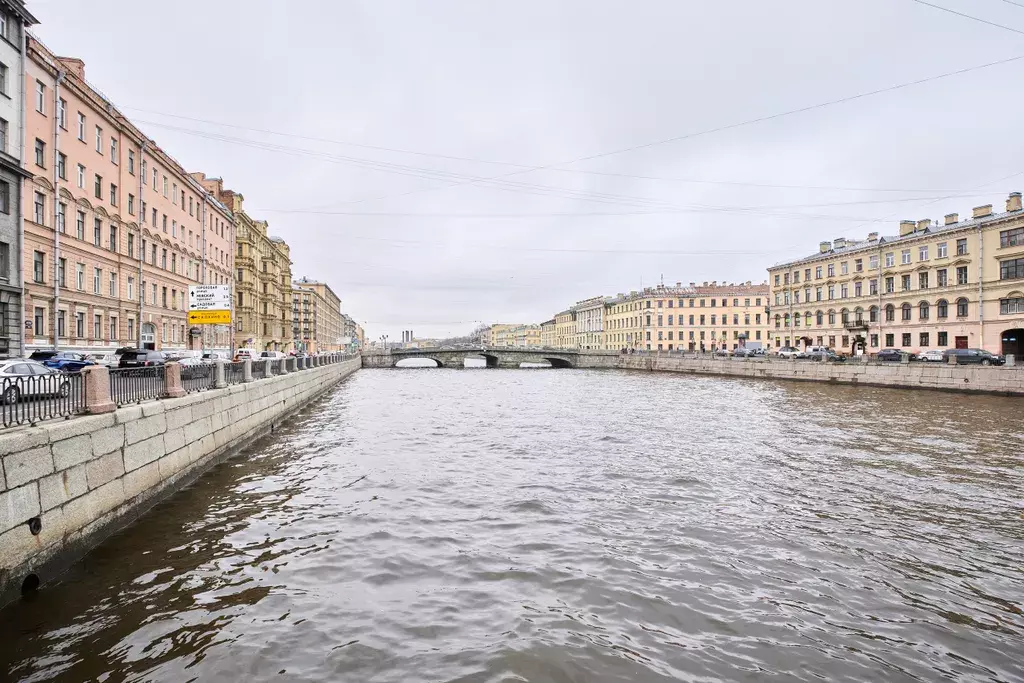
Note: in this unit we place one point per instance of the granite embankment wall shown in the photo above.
(937, 376)
(67, 485)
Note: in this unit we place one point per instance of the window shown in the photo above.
(81, 126)
(5, 197)
(80, 276)
(112, 285)
(163, 259)
(844, 291)
(154, 295)
(890, 316)
(940, 250)
(1008, 306)
(154, 218)
(873, 286)
(40, 98)
(39, 208)
(154, 181)
(62, 209)
(113, 194)
(796, 278)
(97, 232)
(113, 150)
(817, 293)
(831, 317)
(961, 247)
(905, 283)
(942, 309)
(943, 339)
(113, 329)
(3, 77)
(940, 278)
(131, 292)
(873, 262)
(831, 270)
(39, 315)
(40, 153)
(80, 325)
(1011, 238)
(61, 324)
(165, 186)
(81, 176)
(131, 161)
(163, 296)
(113, 238)
(922, 253)
(923, 310)
(99, 139)
(817, 273)
(97, 327)
(906, 311)
(906, 339)
(819, 318)
(131, 204)
(164, 217)
(905, 256)
(890, 260)
(922, 280)
(1008, 270)
(174, 192)
(844, 268)
(785, 278)
(961, 274)
(874, 341)
(961, 308)
(98, 187)
(4, 129)
(873, 314)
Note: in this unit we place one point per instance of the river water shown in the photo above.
(560, 525)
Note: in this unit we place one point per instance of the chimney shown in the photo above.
(839, 243)
(693, 284)
(924, 224)
(705, 284)
(907, 228)
(748, 283)
(872, 237)
(824, 246)
(74, 65)
(982, 211)
(678, 285)
(952, 218)
(1013, 202)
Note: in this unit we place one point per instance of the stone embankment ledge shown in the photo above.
(1007, 381)
(67, 485)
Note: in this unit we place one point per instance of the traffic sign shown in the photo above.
(209, 317)
(209, 297)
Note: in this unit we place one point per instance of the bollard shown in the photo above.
(952, 359)
(247, 370)
(1011, 360)
(220, 379)
(97, 390)
(172, 379)
(904, 358)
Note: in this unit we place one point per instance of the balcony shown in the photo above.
(857, 324)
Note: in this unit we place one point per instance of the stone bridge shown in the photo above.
(495, 357)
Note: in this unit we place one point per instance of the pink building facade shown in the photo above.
(115, 229)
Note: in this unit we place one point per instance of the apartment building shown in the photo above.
(566, 336)
(958, 284)
(695, 318)
(526, 336)
(262, 277)
(14, 19)
(115, 229)
(503, 334)
(547, 334)
(317, 323)
(590, 323)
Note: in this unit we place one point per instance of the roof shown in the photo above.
(863, 246)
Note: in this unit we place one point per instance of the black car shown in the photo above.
(973, 357)
(889, 355)
(140, 358)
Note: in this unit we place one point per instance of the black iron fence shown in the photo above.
(198, 377)
(131, 385)
(259, 369)
(234, 373)
(31, 398)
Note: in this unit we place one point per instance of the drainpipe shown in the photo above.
(56, 206)
(21, 199)
(142, 250)
(981, 279)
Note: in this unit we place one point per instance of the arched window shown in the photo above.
(787, 319)
(923, 310)
(820, 318)
(906, 308)
(845, 316)
(873, 314)
(858, 314)
(778, 321)
(890, 313)
(961, 308)
(807, 318)
(831, 317)
(942, 309)
(796, 320)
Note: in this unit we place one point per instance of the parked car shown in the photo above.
(213, 356)
(191, 360)
(246, 354)
(973, 356)
(723, 352)
(24, 378)
(141, 358)
(823, 353)
(273, 355)
(790, 352)
(931, 356)
(889, 355)
(742, 352)
(65, 361)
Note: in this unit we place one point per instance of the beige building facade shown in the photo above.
(115, 229)
(316, 317)
(958, 284)
(547, 334)
(527, 336)
(589, 315)
(565, 330)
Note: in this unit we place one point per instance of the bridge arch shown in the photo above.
(415, 362)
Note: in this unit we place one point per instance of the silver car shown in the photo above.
(25, 378)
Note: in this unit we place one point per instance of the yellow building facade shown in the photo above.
(955, 285)
(316, 316)
(565, 330)
(527, 336)
(547, 334)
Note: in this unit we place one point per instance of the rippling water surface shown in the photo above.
(585, 526)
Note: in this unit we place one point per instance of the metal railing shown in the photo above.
(29, 399)
(132, 385)
(259, 369)
(234, 373)
(198, 377)
(274, 366)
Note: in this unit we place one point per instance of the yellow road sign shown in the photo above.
(209, 317)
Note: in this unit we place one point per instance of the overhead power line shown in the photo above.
(972, 18)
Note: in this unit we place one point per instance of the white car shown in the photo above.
(20, 378)
(931, 356)
(109, 360)
(791, 352)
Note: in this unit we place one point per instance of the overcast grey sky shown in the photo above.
(540, 82)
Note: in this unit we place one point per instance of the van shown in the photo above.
(245, 354)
